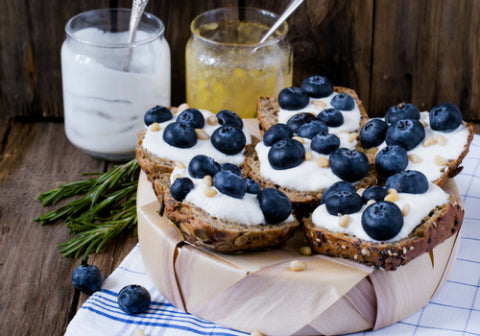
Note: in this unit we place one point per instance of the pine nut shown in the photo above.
(352, 137)
(297, 265)
(212, 120)
(176, 176)
(308, 156)
(440, 139)
(392, 195)
(210, 192)
(299, 139)
(319, 104)
(182, 107)
(322, 162)
(256, 333)
(343, 221)
(305, 250)
(440, 161)
(207, 179)
(201, 134)
(139, 332)
(414, 158)
(424, 123)
(370, 202)
(428, 142)
(155, 127)
(360, 191)
(180, 165)
(365, 252)
(406, 209)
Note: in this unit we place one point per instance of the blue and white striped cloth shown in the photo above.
(453, 311)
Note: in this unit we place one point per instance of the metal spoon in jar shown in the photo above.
(138, 7)
(292, 6)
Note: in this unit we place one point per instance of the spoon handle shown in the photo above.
(289, 10)
(138, 7)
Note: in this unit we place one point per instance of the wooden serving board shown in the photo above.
(258, 291)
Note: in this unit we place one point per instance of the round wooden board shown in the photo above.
(258, 291)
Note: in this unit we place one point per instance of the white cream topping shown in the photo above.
(307, 176)
(454, 145)
(420, 207)
(246, 210)
(155, 144)
(351, 119)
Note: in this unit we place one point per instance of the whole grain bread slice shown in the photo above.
(268, 108)
(441, 223)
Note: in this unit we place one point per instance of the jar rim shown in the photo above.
(271, 40)
(159, 28)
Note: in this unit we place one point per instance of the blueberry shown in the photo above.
(337, 186)
(332, 117)
(227, 117)
(228, 140)
(312, 128)
(373, 133)
(343, 202)
(293, 98)
(231, 167)
(134, 299)
(275, 205)
(230, 184)
(157, 114)
(343, 101)
(180, 188)
(201, 165)
(252, 186)
(401, 111)
(324, 143)
(382, 220)
(445, 117)
(180, 135)
(408, 181)
(407, 133)
(192, 117)
(277, 132)
(349, 164)
(390, 160)
(87, 278)
(376, 193)
(317, 86)
(299, 119)
(285, 154)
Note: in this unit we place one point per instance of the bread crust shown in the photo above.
(442, 222)
(268, 108)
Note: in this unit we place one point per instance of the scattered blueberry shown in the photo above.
(201, 165)
(343, 202)
(277, 132)
(373, 133)
(285, 154)
(134, 299)
(445, 117)
(230, 184)
(180, 135)
(324, 143)
(192, 117)
(408, 181)
(227, 117)
(382, 220)
(275, 205)
(157, 114)
(376, 193)
(332, 117)
(228, 140)
(252, 186)
(349, 164)
(390, 160)
(317, 86)
(337, 186)
(299, 119)
(401, 111)
(407, 133)
(180, 188)
(293, 98)
(312, 128)
(87, 278)
(343, 101)
(231, 167)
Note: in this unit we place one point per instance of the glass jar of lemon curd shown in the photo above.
(227, 67)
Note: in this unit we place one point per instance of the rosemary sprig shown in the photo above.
(106, 207)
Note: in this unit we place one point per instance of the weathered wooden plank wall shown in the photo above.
(423, 51)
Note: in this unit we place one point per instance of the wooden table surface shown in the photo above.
(36, 295)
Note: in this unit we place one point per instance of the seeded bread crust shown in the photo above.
(201, 229)
(268, 108)
(442, 222)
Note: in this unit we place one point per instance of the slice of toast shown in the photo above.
(441, 223)
(268, 108)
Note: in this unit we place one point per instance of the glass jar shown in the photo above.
(108, 83)
(226, 67)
